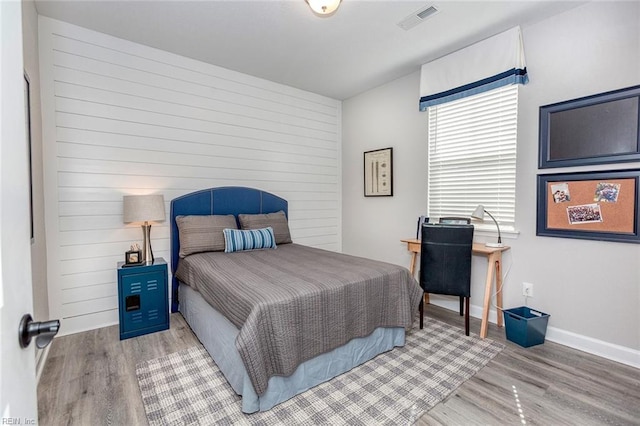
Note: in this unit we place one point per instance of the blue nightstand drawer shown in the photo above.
(143, 299)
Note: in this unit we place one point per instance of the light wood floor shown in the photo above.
(89, 379)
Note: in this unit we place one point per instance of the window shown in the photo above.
(472, 155)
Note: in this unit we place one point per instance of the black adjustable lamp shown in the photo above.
(478, 213)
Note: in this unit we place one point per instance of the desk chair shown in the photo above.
(456, 220)
(445, 264)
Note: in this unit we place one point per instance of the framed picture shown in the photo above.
(133, 257)
(378, 173)
(590, 205)
(598, 129)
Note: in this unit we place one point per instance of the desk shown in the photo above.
(494, 270)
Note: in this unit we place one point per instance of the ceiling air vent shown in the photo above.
(417, 17)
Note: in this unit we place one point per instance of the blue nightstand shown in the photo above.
(143, 298)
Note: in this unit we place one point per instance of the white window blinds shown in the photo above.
(472, 155)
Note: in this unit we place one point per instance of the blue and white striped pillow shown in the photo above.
(248, 239)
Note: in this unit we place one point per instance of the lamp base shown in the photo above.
(147, 253)
(494, 245)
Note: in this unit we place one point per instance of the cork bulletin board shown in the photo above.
(590, 205)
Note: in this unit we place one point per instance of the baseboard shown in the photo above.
(607, 350)
(88, 322)
(587, 344)
(41, 359)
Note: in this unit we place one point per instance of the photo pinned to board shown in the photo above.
(607, 192)
(560, 192)
(586, 213)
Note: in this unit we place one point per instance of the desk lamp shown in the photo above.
(144, 208)
(478, 213)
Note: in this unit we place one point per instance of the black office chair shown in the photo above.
(445, 264)
(456, 220)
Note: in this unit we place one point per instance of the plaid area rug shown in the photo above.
(396, 387)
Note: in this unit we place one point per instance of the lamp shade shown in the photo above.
(323, 7)
(478, 213)
(143, 208)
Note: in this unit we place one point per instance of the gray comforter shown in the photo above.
(296, 302)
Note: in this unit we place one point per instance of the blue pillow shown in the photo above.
(248, 239)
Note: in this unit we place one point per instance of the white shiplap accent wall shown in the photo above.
(122, 118)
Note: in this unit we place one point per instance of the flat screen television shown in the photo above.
(598, 129)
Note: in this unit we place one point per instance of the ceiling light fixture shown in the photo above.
(324, 7)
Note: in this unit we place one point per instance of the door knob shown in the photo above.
(42, 331)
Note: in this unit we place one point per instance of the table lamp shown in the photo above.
(478, 213)
(144, 208)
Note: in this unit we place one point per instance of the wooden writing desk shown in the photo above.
(494, 270)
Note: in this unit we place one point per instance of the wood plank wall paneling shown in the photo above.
(121, 118)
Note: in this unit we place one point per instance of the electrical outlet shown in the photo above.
(527, 289)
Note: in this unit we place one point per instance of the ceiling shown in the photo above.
(358, 48)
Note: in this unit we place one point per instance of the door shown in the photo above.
(18, 404)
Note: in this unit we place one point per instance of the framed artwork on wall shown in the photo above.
(378, 173)
(590, 205)
(598, 129)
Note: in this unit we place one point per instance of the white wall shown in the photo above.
(591, 289)
(381, 118)
(122, 118)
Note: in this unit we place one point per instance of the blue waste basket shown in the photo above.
(525, 326)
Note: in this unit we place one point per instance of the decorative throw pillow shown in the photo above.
(203, 233)
(277, 221)
(250, 239)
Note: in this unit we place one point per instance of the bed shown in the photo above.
(280, 321)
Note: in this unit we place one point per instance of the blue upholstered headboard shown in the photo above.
(224, 200)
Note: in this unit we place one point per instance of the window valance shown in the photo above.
(486, 65)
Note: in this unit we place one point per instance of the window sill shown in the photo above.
(487, 232)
